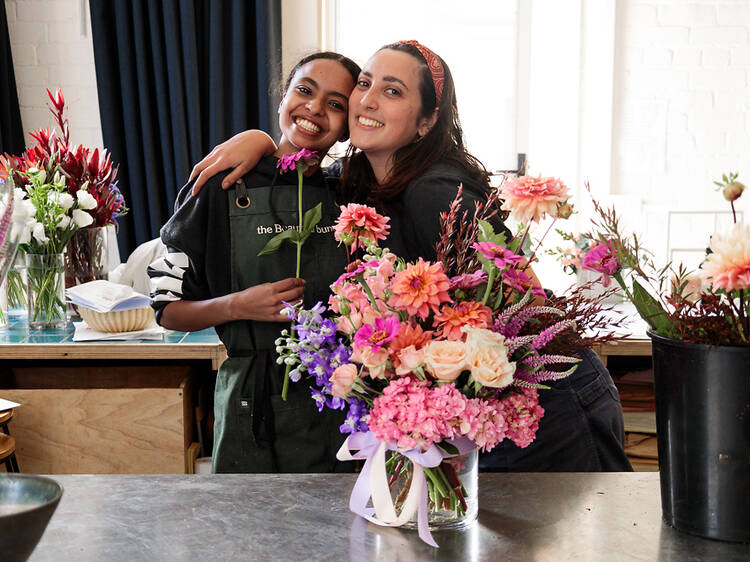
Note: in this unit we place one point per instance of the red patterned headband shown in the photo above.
(435, 66)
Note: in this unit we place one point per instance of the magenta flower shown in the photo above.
(302, 159)
(468, 280)
(602, 259)
(353, 269)
(517, 279)
(500, 255)
(377, 334)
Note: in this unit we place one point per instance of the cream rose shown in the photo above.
(445, 360)
(375, 362)
(343, 378)
(487, 358)
(410, 358)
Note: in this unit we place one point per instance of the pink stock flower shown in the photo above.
(501, 256)
(517, 279)
(377, 334)
(360, 222)
(531, 199)
(602, 259)
(468, 280)
(452, 318)
(419, 288)
(728, 267)
(302, 160)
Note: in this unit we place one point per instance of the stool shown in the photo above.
(5, 417)
(8, 453)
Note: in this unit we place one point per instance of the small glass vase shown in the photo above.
(45, 275)
(452, 488)
(4, 304)
(87, 256)
(17, 287)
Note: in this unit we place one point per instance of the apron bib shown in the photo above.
(255, 430)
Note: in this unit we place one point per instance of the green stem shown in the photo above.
(370, 296)
(285, 388)
(490, 283)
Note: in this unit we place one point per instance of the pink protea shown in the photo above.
(302, 160)
(728, 267)
(602, 259)
(419, 288)
(357, 223)
(450, 319)
(531, 199)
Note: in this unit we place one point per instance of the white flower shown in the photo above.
(24, 231)
(82, 218)
(63, 200)
(38, 233)
(487, 357)
(64, 222)
(86, 200)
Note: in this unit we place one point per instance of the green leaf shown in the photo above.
(651, 310)
(273, 245)
(487, 234)
(312, 217)
(448, 448)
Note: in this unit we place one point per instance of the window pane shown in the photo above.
(478, 41)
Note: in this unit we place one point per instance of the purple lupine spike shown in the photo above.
(513, 344)
(502, 319)
(536, 361)
(549, 334)
(554, 375)
(513, 327)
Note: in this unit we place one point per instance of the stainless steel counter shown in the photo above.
(306, 517)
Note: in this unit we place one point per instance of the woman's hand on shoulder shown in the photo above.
(242, 152)
(264, 303)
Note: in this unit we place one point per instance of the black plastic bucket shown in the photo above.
(703, 422)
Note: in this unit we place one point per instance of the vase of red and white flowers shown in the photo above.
(46, 217)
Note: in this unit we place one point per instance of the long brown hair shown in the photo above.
(443, 143)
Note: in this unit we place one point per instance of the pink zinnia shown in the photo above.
(468, 280)
(302, 159)
(517, 279)
(377, 334)
(500, 255)
(360, 222)
(531, 199)
(602, 259)
(421, 287)
(728, 267)
(451, 319)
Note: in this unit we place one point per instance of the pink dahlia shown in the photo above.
(602, 259)
(728, 267)
(360, 222)
(450, 319)
(531, 199)
(419, 288)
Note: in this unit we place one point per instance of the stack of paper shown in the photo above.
(83, 333)
(105, 296)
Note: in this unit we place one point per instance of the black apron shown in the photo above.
(255, 430)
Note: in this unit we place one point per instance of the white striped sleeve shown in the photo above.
(166, 274)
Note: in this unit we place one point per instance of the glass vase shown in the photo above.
(452, 487)
(4, 304)
(17, 286)
(45, 297)
(86, 256)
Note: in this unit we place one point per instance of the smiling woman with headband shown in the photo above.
(407, 158)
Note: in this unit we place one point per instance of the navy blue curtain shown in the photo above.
(175, 78)
(11, 130)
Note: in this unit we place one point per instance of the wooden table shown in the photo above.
(108, 406)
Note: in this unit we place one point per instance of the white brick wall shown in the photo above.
(681, 101)
(51, 51)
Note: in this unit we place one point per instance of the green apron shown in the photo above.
(255, 430)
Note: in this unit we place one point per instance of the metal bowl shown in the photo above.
(26, 504)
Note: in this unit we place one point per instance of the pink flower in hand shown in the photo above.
(302, 160)
(360, 222)
(531, 199)
(602, 259)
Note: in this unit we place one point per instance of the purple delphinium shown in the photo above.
(355, 417)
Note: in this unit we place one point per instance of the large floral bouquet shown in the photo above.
(82, 168)
(433, 360)
(710, 305)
